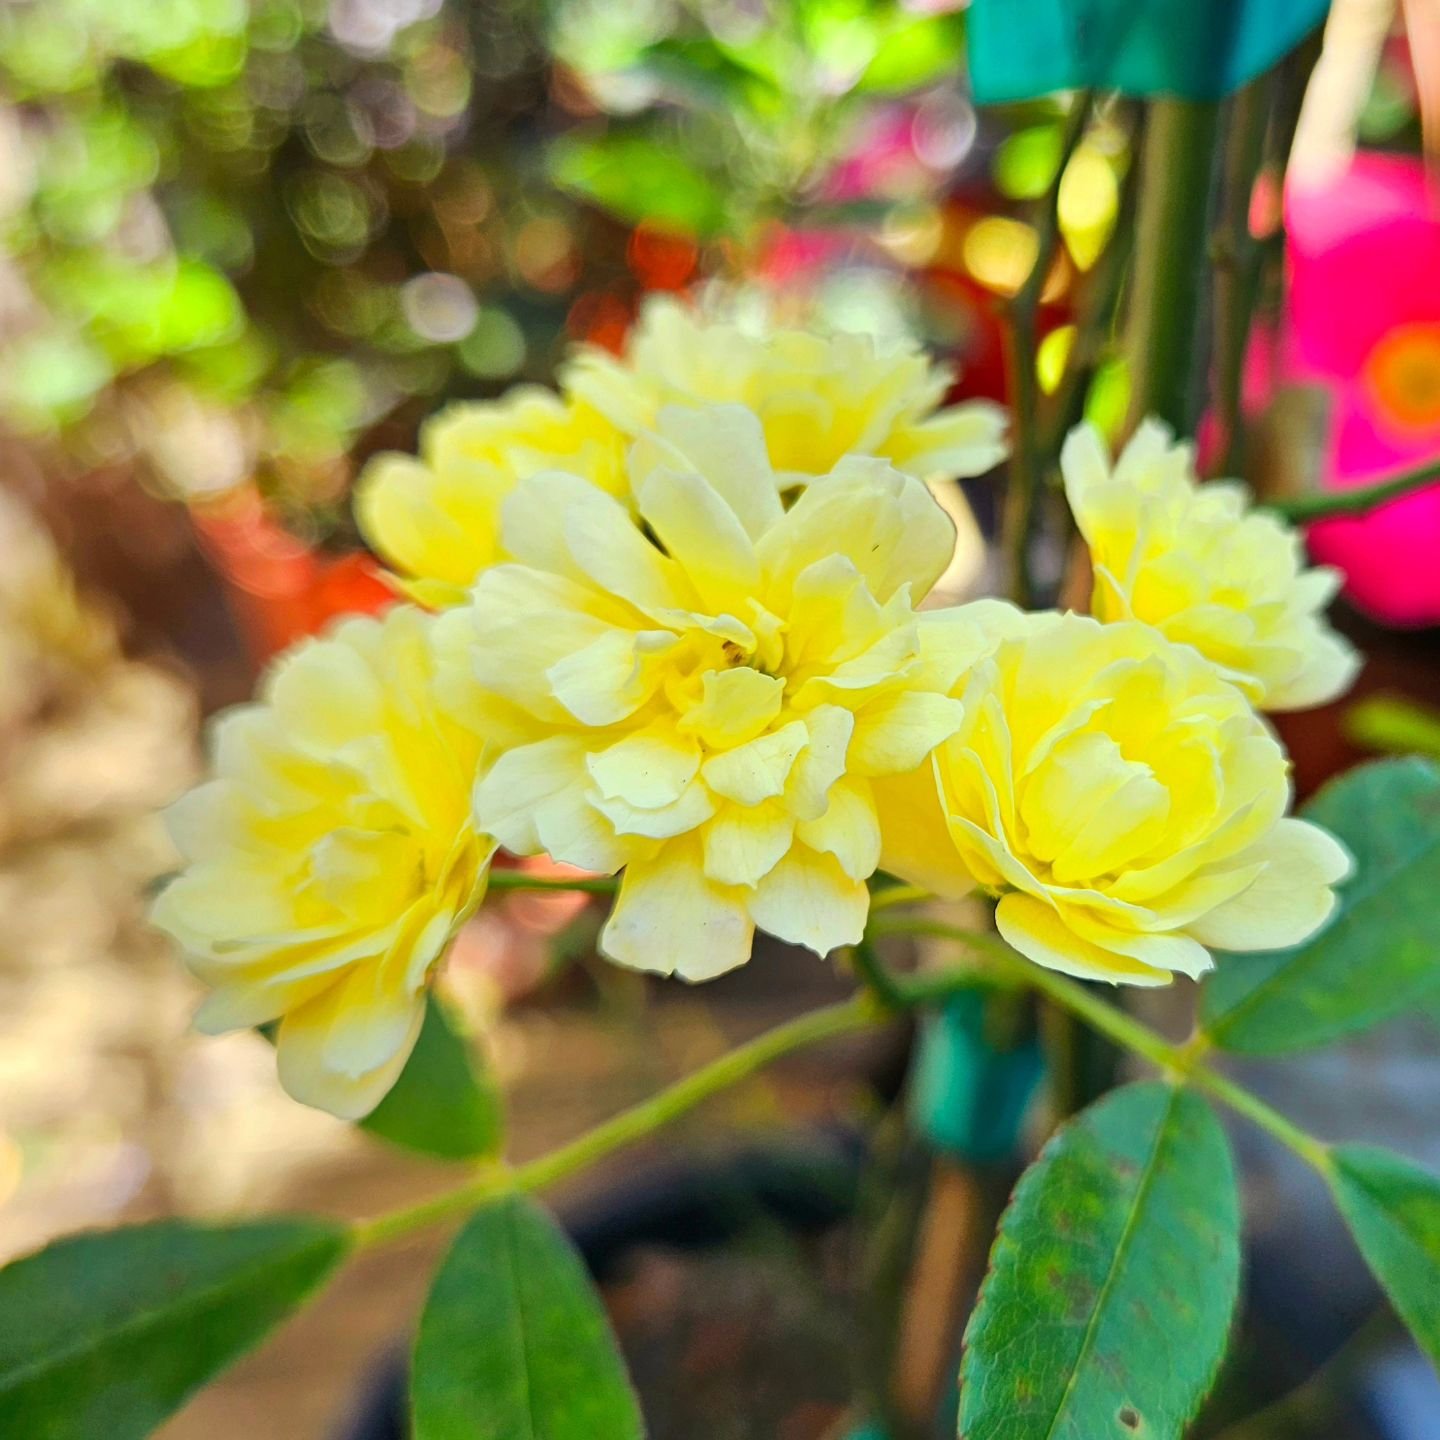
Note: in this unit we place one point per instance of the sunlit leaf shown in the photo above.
(1088, 203)
(1025, 161)
(1113, 1280)
(916, 52)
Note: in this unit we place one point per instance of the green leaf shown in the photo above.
(1113, 1279)
(1393, 1210)
(639, 178)
(514, 1344)
(108, 1333)
(1377, 954)
(1430, 1009)
(441, 1104)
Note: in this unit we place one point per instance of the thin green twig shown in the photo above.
(898, 895)
(1177, 160)
(1183, 1061)
(998, 964)
(1303, 508)
(629, 1125)
(1238, 260)
(524, 880)
(877, 978)
(1023, 491)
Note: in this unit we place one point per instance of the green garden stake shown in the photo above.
(969, 1096)
(1195, 49)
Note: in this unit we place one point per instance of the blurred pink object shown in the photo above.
(791, 259)
(883, 161)
(1364, 321)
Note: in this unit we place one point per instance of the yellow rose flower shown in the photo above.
(1198, 564)
(820, 398)
(331, 859)
(436, 518)
(710, 715)
(1127, 804)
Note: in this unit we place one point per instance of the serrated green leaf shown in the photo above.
(108, 1333)
(637, 177)
(1378, 953)
(514, 1343)
(1112, 1281)
(1393, 1210)
(442, 1104)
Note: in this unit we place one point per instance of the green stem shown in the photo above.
(1237, 264)
(878, 979)
(898, 895)
(1183, 1061)
(1304, 508)
(981, 941)
(1023, 491)
(524, 880)
(1176, 166)
(860, 1013)
(1255, 1110)
(1074, 1057)
(631, 1125)
(609, 884)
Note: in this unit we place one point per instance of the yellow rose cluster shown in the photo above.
(669, 626)
(819, 400)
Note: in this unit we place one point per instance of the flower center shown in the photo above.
(1404, 375)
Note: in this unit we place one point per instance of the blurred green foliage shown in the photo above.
(252, 240)
(738, 112)
(235, 233)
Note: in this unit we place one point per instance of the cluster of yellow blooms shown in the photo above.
(672, 628)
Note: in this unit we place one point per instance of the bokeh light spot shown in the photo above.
(1000, 252)
(1088, 202)
(495, 346)
(439, 307)
(1051, 357)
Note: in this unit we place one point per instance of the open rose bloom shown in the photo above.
(1128, 805)
(1363, 321)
